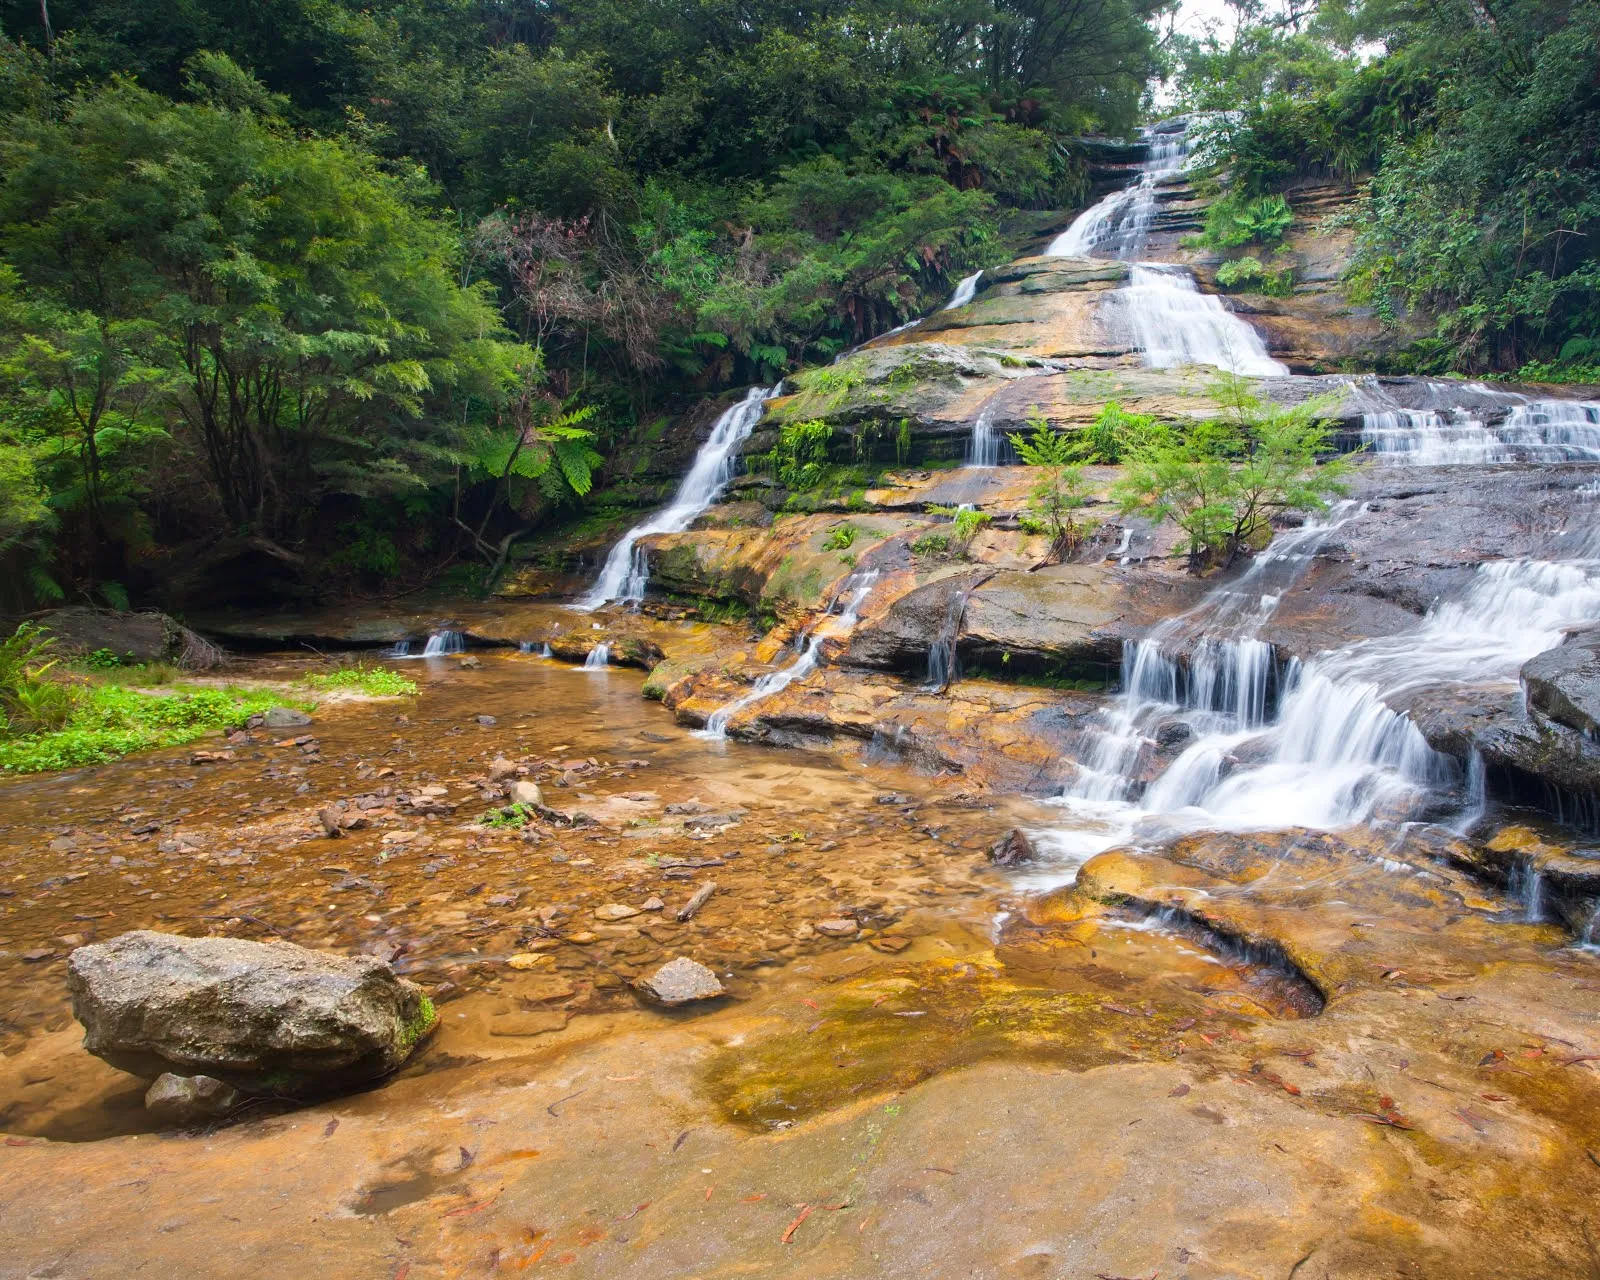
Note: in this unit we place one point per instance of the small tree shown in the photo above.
(1223, 480)
(1061, 492)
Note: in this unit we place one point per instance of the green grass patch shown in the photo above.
(105, 722)
(375, 682)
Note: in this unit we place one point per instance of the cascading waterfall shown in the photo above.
(1117, 226)
(599, 658)
(626, 571)
(1161, 309)
(535, 647)
(439, 644)
(1336, 752)
(966, 290)
(984, 449)
(944, 665)
(1172, 323)
(1533, 431)
(859, 586)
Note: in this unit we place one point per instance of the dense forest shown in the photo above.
(362, 292)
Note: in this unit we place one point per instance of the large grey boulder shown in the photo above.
(266, 1018)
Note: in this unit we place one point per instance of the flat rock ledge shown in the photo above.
(268, 1018)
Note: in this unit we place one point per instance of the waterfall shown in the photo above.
(859, 585)
(965, 292)
(1161, 309)
(626, 571)
(1533, 431)
(439, 644)
(984, 448)
(1173, 323)
(599, 658)
(944, 665)
(1335, 752)
(535, 647)
(1118, 225)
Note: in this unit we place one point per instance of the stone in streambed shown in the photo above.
(679, 982)
(525, 792)
(178, 1100)
(284, 718)
(615, 911)
(1013, 850)
(267, 1018)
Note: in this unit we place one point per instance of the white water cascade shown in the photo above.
(965, 292)
(439, 644)
(1336, 752)
(859, 585)
(1172, 323)
(984, 449)
(599, 658)
(1533, 431)
(1161, 310)
(626, 572)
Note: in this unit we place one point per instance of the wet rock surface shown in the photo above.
(679, 982)
(263, 1017)
(1564, 684)
(179, 1100)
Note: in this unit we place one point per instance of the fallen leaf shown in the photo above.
(1181, 1091)
(467, 1210)
(788, 1234)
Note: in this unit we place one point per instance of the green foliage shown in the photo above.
(1062, 490)
(965, 524)
(375, 682)
(1237, 220)
(1251, 276)
(1476, 127)
(103, 722)
(840, 538)
(800, 457)
(102, 660)
(361, 288)
(1223, 479)
(28, 702)
(931, 544)
(1113, 432)
(513, 817)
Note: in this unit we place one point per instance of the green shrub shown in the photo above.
(1252, 276)
(1062, 490)
(1112, 433)
(840, 538)
(931, 544)
(102, 660)
(1237, 220)
(800, 457)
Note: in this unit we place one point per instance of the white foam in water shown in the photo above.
(859, 585)
(626, 572)
(599, 658)
(965, 292)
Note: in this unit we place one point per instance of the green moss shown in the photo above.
(422, 1022)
